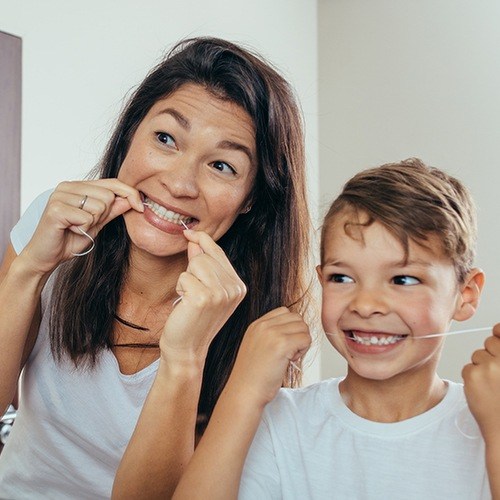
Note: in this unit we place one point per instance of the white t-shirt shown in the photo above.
(72, 426)
(311, 446)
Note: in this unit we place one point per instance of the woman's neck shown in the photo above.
(153, 279)
(393, 400)
(149, 285)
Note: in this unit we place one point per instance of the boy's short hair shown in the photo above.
(413, 201)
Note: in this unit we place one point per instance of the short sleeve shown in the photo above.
(23, 231)
(260, 478)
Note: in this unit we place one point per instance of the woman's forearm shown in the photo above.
(163, 441)
(20, 291)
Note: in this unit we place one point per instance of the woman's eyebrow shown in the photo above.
(179, 117)
(236, 146)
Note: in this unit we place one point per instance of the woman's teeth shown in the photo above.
(374, 339)
(167, 215)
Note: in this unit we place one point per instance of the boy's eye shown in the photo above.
(341, 278)
(223, 167)
(165, 138)
(405, 280)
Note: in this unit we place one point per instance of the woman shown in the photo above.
(212, 141)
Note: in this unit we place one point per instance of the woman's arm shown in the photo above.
(269, 345)
(20, 290)
(482, 389)
(164, 439)
(56, 239)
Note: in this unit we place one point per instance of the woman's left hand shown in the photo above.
(482, 385)
(211, 290)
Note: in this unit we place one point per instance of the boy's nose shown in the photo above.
(369, 302)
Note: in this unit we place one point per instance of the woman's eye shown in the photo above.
(341, 278)
(165, 138)
(223, 167)
(405, 280)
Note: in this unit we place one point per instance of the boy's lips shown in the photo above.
(373, 338)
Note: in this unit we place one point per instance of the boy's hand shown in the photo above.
(269, 344)
(482, 386)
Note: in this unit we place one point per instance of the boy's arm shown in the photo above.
(269, 344)
(482, 389)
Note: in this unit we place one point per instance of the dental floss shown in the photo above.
(482, 329)
(89, 249)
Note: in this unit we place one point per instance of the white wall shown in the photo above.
(81, 58)
(408, 78)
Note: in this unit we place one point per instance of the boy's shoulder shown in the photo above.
(313, 398)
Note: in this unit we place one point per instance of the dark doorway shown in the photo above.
(10, 134)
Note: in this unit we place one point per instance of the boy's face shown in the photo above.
(377, 304)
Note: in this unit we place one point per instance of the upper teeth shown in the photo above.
(163, 213)
(374, 340)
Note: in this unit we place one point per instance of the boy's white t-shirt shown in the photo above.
(309, 445)
(72, 426)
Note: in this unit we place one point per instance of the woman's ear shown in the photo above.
(470, 292)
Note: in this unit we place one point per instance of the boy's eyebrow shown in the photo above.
(397, 263)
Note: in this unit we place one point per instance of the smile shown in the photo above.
(165, 214)
(379, 339)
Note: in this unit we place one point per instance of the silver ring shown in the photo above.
(82, 203)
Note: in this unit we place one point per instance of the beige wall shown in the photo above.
(406, 78)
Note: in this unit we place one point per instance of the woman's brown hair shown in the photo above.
(267, 246)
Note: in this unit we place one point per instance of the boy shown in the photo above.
(396, 266)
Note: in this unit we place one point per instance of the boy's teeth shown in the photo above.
(165, 214)
(374, 340)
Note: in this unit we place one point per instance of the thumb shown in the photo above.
(193, 249)
(119, 207)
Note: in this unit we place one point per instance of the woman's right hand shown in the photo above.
(57, 237)
(269, 345)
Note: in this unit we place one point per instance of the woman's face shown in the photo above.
(193, 158)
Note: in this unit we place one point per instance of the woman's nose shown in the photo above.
(368, 302)
(182, 178)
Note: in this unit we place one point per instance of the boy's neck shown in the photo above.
(392, 400)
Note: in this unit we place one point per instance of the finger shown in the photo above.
(291, 322)
(64, 215)
(480, 357)
(206, 268)
(121, 190)
(194, 292)
(105, 189)
(94, 206)
(496, 330)
(279, 311)
(492, 345)
(119, 207)
(467, 372)
(207, 245)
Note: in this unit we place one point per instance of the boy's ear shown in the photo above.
(320, 274)
(470, 292)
